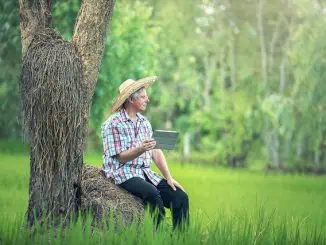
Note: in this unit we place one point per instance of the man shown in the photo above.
(129, 149)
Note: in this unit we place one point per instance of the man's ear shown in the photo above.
(130, 100)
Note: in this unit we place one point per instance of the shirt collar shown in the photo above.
(125, 117)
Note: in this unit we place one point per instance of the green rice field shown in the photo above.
(226, 207)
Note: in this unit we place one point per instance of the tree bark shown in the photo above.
(89, 38)
(56, 161)
(34, 15)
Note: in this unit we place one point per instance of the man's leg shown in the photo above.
(177, 201)
(149, 193)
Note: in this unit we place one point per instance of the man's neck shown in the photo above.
(131, 113)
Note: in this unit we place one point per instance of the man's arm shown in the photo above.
(135, 152)
(160, 161)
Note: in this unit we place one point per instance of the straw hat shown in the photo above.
(128, 87)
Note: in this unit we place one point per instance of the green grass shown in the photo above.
(227, 207)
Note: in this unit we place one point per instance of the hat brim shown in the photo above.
(121, 98)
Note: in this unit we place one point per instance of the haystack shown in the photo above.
(100, 196)
(53, 97)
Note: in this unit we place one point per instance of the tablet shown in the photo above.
(165, 140)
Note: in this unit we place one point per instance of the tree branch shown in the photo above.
(34, 14)
(260, 24)
(89, 38)
(273, 43)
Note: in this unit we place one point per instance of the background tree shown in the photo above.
(233, 77)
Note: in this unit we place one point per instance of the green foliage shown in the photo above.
(297, 116)
(13, 146)
(131, 52)
(208, 56)
(227, 130)
(64, 17)
(10, 48)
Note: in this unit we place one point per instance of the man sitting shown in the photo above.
(129, 150)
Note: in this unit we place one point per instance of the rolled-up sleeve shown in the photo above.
(114, 140)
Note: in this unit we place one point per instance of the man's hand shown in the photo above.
(173, 183)
(148, 144)
(135, 152)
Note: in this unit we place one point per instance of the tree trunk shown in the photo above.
(270, 135)
(272, 45)
(232, 60)
(34, 15)
(57, 83)
(186, 145)
(210, 67)
(222, 70)
(262, 43)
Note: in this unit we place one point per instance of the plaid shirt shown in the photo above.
(119, 134)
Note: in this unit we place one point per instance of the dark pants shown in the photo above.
(160, 196)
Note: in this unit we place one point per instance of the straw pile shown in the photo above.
(53, 99)
(100, 196)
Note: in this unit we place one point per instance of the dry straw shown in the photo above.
(100, 196)
(53, 102)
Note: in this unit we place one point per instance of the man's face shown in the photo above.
(141, 102)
